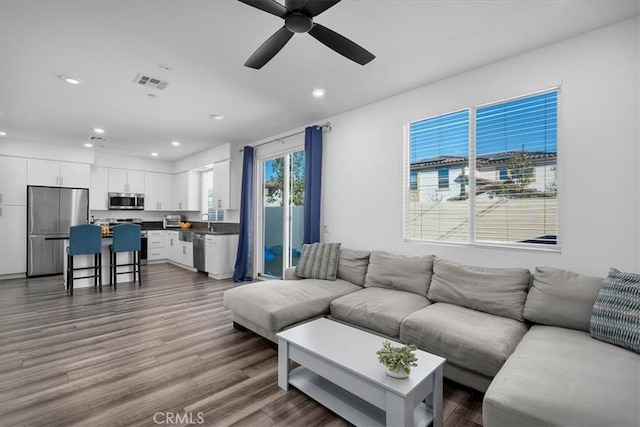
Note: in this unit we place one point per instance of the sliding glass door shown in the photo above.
(282, 212)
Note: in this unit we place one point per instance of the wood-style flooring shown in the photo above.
(166, 350)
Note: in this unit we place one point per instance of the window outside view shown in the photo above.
(515, 170)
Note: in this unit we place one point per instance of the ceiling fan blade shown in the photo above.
(315, 8)
(295, 4)
(269, 49)
(341, 44)
(270, 6)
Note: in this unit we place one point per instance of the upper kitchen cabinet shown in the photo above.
(227, 176)
(126, 181)
(13, 181)
(186, 190)
(157, 191)
(98, 196)
(58, 174)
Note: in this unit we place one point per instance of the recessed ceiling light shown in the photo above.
(98, 130)
(71, 80)
(3, 133)
(88, 144)
(318, 93)
(154, 154)
(217, 116)
(175, 143)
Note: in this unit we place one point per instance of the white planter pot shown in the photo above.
(397, 374)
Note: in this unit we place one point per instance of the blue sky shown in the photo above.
(529, 123)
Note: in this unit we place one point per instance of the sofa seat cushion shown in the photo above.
(276, 304)
(477, 341)
(378, 309)
(564, 377)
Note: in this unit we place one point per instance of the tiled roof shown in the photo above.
(483, 160)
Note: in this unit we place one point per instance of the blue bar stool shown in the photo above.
(126, 238)
(85, 239)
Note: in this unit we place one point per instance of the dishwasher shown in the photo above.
(198, 251)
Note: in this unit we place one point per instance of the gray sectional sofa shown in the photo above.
(522, 339)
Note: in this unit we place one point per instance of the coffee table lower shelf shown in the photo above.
(347, 405)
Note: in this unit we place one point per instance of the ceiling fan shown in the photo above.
(298, 18)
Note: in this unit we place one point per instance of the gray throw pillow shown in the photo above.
(499, 291)
(352, 266)
(616, 312)
(401, 272)
(319, 261)
(561, 298)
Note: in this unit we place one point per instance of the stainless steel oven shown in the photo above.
(126, 201)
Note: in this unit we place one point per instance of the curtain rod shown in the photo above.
(324, 126)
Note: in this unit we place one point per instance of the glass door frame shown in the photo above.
(287, 219)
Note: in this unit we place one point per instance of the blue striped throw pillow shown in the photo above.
(616, 313)
(319, 261)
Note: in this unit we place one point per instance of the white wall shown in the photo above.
(598, 165)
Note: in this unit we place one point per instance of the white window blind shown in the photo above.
(515, 174)
(439, 151)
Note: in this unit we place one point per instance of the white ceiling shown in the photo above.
(107, 43)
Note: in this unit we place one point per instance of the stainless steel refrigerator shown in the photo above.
(50, 213)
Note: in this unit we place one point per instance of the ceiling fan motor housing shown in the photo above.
(298, 22)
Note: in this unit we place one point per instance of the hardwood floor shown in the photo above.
(167, 350)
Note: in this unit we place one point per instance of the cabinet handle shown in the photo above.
(0, 211)
(0, 197)
(219, 203)
(184, 250)
(60, 181)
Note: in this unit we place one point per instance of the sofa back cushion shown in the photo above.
(561, 298)
(319, 261)
(400, 272)
(352, 266)
(499, 291)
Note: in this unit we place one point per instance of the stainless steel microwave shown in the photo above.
(126, 201)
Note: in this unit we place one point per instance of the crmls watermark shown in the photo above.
(178, 418)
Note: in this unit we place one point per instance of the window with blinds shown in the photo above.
(515, 146)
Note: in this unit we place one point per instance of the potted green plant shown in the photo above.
(398, 360)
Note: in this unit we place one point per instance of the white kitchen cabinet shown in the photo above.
(186, 191)
(220, 255)
(58, 174)
(13, 244)
(227, 177)
(171, 245)
(156, 245)
(126, 181)
(185, 253)
(13, 180)
(99, 191)
(157, 191)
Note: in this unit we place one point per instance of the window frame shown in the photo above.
(472, 166)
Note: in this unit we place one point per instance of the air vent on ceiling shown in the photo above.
(94, 138)
(150, 82)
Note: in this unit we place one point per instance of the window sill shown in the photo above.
(524, 247)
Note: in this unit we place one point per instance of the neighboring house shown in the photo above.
(445, 178)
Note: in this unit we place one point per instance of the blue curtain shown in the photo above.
(243, 259)
(312, 183)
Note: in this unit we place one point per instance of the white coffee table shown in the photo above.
(340, 369)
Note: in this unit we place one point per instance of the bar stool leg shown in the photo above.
(115, 271)
(70, 264)
(99, 272)
(95, 270)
